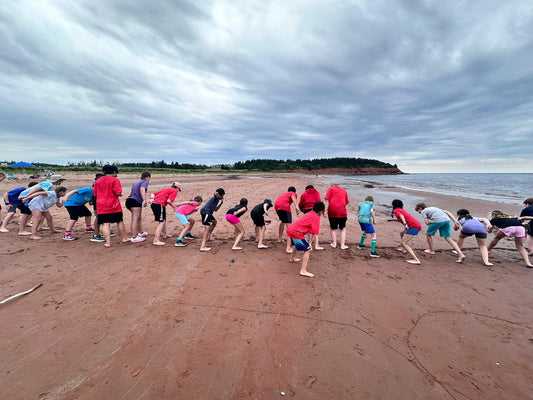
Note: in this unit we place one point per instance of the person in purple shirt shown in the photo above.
(135, 202)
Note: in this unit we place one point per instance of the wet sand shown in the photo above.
(137, 321)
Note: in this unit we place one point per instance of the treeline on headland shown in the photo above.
(347, 165)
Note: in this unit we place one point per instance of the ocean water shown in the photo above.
(506, 188)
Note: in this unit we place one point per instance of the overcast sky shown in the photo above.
(433, 86)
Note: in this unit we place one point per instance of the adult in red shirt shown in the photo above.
(337, 199)
(282, 205)
(308, 223)
(107, 191)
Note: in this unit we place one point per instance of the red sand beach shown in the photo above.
(138, 321)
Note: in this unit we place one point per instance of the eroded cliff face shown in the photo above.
(350, 171)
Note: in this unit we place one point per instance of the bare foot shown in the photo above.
(107, 245)
(308, 274)
(54, 231)
(279, 241)
(401, 249)
(126, 240)
(429, 251)
(262, 246)
(32, 237)
(236, 248)
(461, 259)
(455, 252)
(205, 249)
(44, 228)
(319, 248)
(489, 264)
(412, 262)
(334, 245)
(295, 260)
(4, 230)
(288, 251)
(345, 247)
(24, 233)
(159, 243)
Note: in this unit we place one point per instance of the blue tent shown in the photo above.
(22, 164)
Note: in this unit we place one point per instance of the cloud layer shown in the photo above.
(431, 86)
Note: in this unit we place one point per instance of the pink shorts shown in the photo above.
(232, 219)
(514, 231)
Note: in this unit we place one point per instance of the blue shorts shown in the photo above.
(443, 228)
(367, 228)
(412, 231)
(300, 244)
(184, 219)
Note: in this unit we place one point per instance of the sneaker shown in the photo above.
(144, 234)
(361, 247)
(112, 234)
(89, 229)
(70, 237)
(98, 238)
(374, 254)
(179, 243)
(137, 239)
(189, 236)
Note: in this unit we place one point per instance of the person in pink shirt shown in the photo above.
(337, 199)
(183, 213)
(411, 229)
(160, 200)
(282, 205)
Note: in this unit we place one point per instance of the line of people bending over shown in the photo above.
(36, 199)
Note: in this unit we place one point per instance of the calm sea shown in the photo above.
(507, 188)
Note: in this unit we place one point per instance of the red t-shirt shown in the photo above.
(411, 221)
(337, 198)
(307, 223)
(165, 194)
(308, 199)
(106, 191)
(284, 201)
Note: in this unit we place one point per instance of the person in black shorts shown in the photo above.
(259, 215)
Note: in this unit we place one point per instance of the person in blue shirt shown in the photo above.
(11, 199)
(75, 202)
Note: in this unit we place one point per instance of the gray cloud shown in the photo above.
(429, 86)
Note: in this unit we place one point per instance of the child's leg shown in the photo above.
(122, 230)
(333, 233)
(519, 242)
(158, 231)
(343, 239)
(405, 245)
(482, 244)
(529, 243)
(204, 239)
(70, 225)
(305, 261)
(37, 217)
(135, 221)
(495, 241)
(211, 228)
(6, 221)
(24, 218)
(88, 222)
(49, 221)
(288, 246)
(106, 231)
(262, 231)
(293, 253)
(430, 244)
(317, 244)
(373, 242)
(163, 233)
(184, 231)
(461, 240)
(239, 231)
(257, 230)
(362, 240)
(456, 248)
(280, 231)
